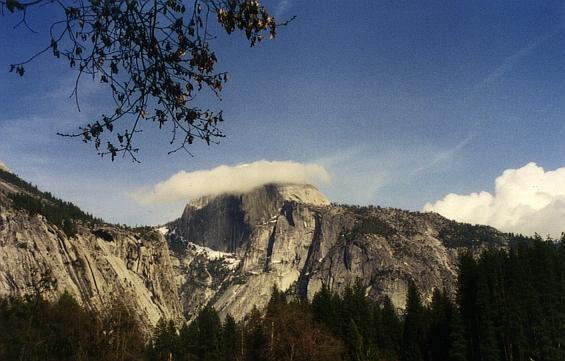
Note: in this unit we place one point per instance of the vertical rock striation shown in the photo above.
(100, 265)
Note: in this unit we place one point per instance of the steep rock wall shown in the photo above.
(99, 266)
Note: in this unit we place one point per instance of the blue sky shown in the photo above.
(402, 102)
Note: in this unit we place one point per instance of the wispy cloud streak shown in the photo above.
(511, 60)
(443, 156)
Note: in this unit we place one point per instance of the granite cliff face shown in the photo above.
(98, 266)
(291, 236)
(229, 250)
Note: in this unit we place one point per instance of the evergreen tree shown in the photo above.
(390, 338)
(456, 339)
(467, 300)
(255, 338)
(207, 329)
(231, 340)
(377, 328)
(324, 309)
(487, 347)
(438, 338)
(165, 343)
(414, 333)
(277, 300)
(354, 342)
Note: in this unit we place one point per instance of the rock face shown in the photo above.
(291, 236)
(228, 251)
(98, 266)
(225, 223)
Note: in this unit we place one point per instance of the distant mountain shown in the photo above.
(292, 236)
(226, 251)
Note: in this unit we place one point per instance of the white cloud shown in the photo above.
(525, 200)
(230, 179)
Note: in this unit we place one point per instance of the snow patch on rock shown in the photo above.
(163, 230)
(229, 259)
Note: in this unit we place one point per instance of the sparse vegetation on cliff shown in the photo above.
(58, 212)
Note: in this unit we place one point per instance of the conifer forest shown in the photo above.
(509, 306)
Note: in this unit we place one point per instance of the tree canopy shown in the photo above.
(154, 56)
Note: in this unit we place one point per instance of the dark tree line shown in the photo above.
(509, 306)
(33, 329)
(513, 303)
(284, 331)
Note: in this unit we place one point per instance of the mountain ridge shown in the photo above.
(229, 250)
(300, 246)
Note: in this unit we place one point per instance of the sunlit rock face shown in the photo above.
(99, 266)
(291, 236)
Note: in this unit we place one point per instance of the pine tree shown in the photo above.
(467, 300)
(414, 334)
(458, 344)
(376, 330)
(165, 342)
(487, 346)
(277, 301)
(354, 342)
(209, 329)
(231, 340)
(390, 338)
(255, 338)
(324, 309)
(438, 337)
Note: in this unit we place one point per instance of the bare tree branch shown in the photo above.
(154, 55)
